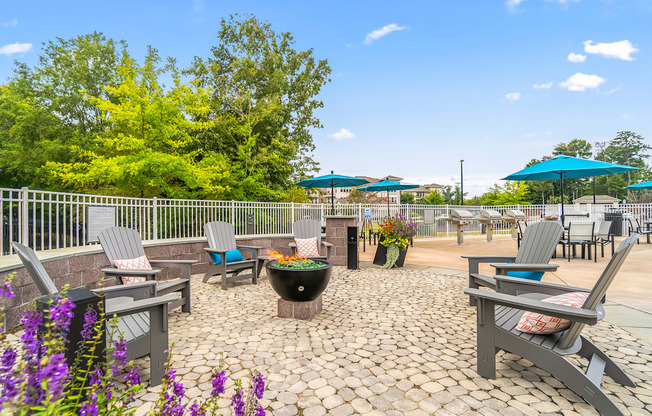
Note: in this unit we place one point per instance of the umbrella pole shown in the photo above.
(332, 198)
(388, 203)
(594, 190)
(561, 176)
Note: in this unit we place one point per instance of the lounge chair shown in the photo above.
(499, 313)
(530, 262)
(142, 315)
(120, 243)
(226, 255)
(310, 229)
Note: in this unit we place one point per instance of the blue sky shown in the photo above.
(416, 85)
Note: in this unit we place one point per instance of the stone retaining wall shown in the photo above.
(84, 269)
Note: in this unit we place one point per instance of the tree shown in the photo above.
(575, 148)
(407, 198)
(627, 148)
(296, 194)
(262, 106)
(433, 198)
(361, 197)
(512, 193)
(149, 149)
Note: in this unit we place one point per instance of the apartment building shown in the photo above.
(341, 194)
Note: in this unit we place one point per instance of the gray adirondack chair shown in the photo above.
(539, 243)
(498, 314)
(221, 238)
(310, 229)
(124, 243)
(142, 315)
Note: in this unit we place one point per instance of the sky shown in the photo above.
(416, 86)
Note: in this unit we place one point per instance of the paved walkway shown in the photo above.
(397, 342)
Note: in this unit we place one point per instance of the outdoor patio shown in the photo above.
(399, 342)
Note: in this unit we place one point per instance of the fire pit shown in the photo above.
(299, 282)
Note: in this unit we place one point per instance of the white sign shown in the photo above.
(429, 216)
(367, 213)
(97, 219)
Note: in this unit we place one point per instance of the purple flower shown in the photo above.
(133, 378)
(238, 404)
(178, 390)
(89, 408)
(259, 410)
(5, 290)
(55, 373)
(9, 389)
(259, 386)
(7, 361)
(31, 344)
(90, 318)
(119, 356)
(96, 377)
(218, 383)
(61, 314)
(195, 410)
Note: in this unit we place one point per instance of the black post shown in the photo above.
(561, 176)
(594, 190)
(388, 202)
(462, 182)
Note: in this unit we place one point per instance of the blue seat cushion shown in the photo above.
(231, 256)
(526, 275)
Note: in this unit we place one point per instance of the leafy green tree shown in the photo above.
(512, 193)
(627, 148)
(433, 198)
(262, 106)
(297, 194)
(575, 148)
(149, 149)
(407, 198)
(361, 197)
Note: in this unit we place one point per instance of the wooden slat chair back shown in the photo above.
(220, 235)
(121, 243)
(142, 316)
(308, 229)
(539, 242)
(599, 289)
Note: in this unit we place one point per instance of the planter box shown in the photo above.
(381, 255)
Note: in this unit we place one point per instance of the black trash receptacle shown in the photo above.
(352, 261)
(616, 218)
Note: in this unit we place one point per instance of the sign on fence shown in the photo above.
(98, 219)
(367, 213)
(429, 216)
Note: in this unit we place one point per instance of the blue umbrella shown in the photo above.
(332, 181)
(642, 185)
(566, 167)
(387, 186)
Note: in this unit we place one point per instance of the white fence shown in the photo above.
(49, 220)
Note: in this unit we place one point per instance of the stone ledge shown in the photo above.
(299, 310)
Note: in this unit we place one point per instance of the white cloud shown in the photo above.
(379, 33)
(343, 134)
(626, 116)
(513, 3)
(576, 57)
(14, 22)
(543, 86)
(513, 96)
(582, 82)
(13, 48)
(620, 50)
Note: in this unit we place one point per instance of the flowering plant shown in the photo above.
(397, 232)
(551, 218)
(35, 377)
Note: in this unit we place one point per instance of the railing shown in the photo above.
(49, 220)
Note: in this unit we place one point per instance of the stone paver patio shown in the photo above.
(399, 342)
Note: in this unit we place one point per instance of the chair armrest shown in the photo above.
(292, 244)
(249, 247)
(213, 250)
(474, 261)
(252, 249)
(516, 286)
(503, 268)
(136, 291)
(142, 305)
(327, 244)
(581, 315)
(131, 272)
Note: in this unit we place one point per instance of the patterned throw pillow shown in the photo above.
(139, 263)
(537, 323)
(307, 247)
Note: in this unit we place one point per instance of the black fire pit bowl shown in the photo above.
(299, 285)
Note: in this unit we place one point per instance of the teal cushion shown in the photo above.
(231, 256)
(526, 275)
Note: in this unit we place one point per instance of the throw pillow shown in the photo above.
(526, 275)
(307, 247)
(139, 263)
(538, 323)
(231, 256)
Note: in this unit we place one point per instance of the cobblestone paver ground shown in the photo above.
(397, 342)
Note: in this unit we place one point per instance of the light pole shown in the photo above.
(461, 181)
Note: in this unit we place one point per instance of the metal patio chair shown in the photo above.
(539, 243)
(142, 315)
(221, 239)
(121, 243)
(579, 234)
(499, 313)
(635, 227)
(310, 229)
(604, 237)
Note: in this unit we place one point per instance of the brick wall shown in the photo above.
(336, 234)
(85, 269)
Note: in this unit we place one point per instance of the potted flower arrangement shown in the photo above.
(395, 235)
(298, 279)
(551, 218)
